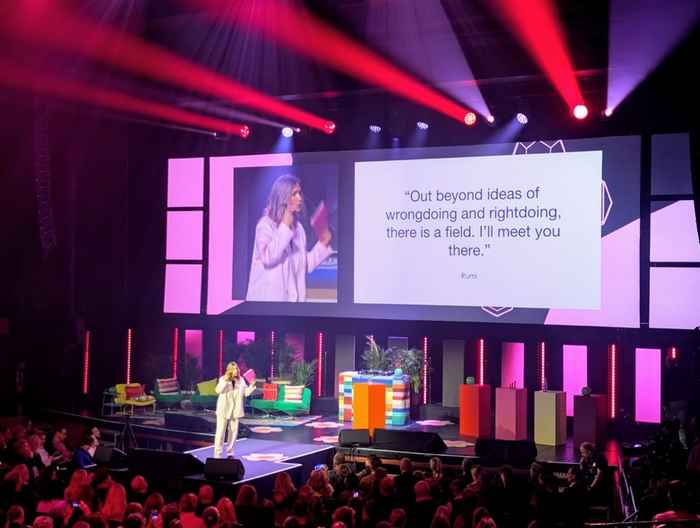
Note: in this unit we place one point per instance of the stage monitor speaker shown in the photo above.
(414, 441)
(158, 464)
(354, 438)
(224, 469)
(110, 456)
(516, 453)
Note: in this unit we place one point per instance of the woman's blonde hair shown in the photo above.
(232, 364)
(279, 196)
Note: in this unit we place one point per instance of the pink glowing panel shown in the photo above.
(244, 336)
(647, 385)
(674, 237)
(513, 365)
(184, 235)
(674, 297)
(186, 182)
(194, 345)
(619, 299)
(220, 259)
(575, 360)
(183, 288)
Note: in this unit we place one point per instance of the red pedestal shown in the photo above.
(475, 410)
(590, 419)
(511, 414)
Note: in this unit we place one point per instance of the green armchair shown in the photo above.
(205, 395)
(167, 392)
(290, 408)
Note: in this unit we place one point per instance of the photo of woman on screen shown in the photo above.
(280, 260)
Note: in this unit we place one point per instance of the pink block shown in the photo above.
(511, 414)
(183, 288)
(194, 345)
(186, 182)
(244, 336)
(674, 301)
(513, 365)
(575, 359)
(647, 385)
(184, 235)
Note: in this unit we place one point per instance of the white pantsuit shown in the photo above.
(229, 408)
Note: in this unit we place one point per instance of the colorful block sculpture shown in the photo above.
(550, 418)
(397, 395)
(367, 408)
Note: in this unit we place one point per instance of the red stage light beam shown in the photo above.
(536, 25)
(53, 26)
(20, 77)
(306, 34)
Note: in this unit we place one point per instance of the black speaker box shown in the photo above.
(224, 469)
(110, 456)
(158, 464)
(414, 441)
(354, 437)
(516, 453)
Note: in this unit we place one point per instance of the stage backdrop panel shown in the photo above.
(647, 385)
(344, 357)
(452, 371)
(513, 365)
(575, 361)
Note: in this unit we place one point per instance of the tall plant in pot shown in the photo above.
(410, 361)
(302, 372)
(375, 358)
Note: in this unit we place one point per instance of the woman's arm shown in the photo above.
(221, 385)
(248, 389)
(271, 242)
(318, 254)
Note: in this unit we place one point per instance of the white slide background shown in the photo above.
(522, 271)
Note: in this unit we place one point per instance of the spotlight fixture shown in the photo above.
(469, 118)
(580, 111)
(422, 125)
(245, 131)
(490, 119)
(608, 112)
(287, 132)
(375, 128)
(329, 127)
(521, 118)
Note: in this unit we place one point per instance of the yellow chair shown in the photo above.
(129, 404)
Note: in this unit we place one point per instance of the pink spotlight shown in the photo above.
(490, 119)
(86, 361)
(608, 112)
(425, 370)
(329, 127)
(481, 361)
(580, 111)
(176, 347)
(319, 364)
(470, 119)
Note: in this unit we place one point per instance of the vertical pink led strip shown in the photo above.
(129, 337)
(481, 361)
(425, 370)
(543, 367)
(612, 384)
(176, 348)
(272, 355)
(220, 355)
(86, 361)
(319, 364)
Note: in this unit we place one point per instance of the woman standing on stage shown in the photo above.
(232, 390)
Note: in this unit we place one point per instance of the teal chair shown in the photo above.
(289, 408)
(169, 398)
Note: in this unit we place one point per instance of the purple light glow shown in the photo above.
(674, 236)
(183, 288)
(647, 385)
(575, 359)
(184, 235)
(674, 299)
(194, 345)
(186, 182)
(244, 336)
(513, 365)
(411, 38)
(633, 53)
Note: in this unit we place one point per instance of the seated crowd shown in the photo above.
(47, 485)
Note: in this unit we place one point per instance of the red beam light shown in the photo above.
(56, 27)
(536, 25)
(24, 78)
(319, 364)
(306, 34)
(86, 361)
(176, 348)
(481, 361)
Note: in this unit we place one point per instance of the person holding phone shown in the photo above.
(280, 260)
(232, 389)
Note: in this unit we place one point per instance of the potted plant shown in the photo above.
(375, 359)
(302, 372)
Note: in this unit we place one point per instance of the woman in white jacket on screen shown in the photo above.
(232, 390)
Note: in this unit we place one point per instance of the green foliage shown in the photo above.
(284, 355)
(302, 372)
(374, 358)
(410, 361)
